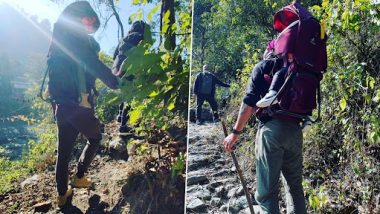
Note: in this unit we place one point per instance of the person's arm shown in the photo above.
(99, 70)
(219, 82)
(89, 57)
(196, 84)
(248, 107)
(245, 113)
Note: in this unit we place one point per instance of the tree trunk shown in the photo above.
(170, 40)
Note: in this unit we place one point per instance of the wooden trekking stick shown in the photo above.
(240, 173)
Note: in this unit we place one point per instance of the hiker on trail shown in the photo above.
(73, 67)
(134, 36)
(302, 51)
(278, 146)
(204, 89)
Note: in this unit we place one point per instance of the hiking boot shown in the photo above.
(268, 99)
(62, 201)
(306, 125)
(82, 182)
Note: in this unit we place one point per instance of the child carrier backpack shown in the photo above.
(206, 84)
(300, 34)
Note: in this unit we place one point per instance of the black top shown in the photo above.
(215, 81)
(71, 46)
(257, 85)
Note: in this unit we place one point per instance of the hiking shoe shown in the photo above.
(82, 182)
(63, 200)
(306, 125)
(268, 99)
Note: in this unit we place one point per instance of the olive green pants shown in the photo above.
(279, 150)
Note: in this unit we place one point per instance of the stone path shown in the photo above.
(212, 182)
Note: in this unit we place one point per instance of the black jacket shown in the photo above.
(71, 50)
(215, 81)
(132, 39)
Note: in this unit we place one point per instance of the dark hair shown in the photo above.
(138, 27)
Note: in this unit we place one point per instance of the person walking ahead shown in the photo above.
(73, 67)
(204, 90)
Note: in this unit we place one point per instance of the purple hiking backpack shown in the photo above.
(300, 34)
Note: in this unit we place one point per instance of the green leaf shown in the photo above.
(371, 82)
(153, 11)
(134, 116)
(316, 201)
(324, 200)
(166, 22)
(377, 96)
(343, 103)
(171, 106)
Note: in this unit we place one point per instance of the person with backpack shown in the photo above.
(279, 139)
(204, 90)
(73, 67)
(134, 36)
(278, 146)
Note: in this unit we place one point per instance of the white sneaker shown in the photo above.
(306, 125)
(268, 99)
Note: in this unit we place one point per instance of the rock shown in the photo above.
(192, 189)
(217, 183)
(30, 181)
(229, 186)
(42, 207)
(196, 179)
(196, 204)
(220, 191)
(215, 201)
(203, 194)
(256, 210)
(240, 191)
(240, 203)
(223, 208)
(245, 211)
(199, 161)
(220, 173)
(232, 192)
(233, 169)
(118, 144)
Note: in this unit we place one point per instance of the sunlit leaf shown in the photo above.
(343, 103)
(134, 116)
(171, 106)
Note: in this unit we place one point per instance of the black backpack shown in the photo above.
(206, 83)
(67, 78)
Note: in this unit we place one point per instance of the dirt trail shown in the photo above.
(118, 186)
(212, 182)
(108, 177)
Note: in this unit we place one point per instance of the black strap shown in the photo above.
(42, 87)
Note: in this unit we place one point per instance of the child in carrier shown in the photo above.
(277, 82)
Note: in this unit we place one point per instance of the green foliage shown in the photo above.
(37, 158)
(159, 89)
(179, 165)
(104, 111)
